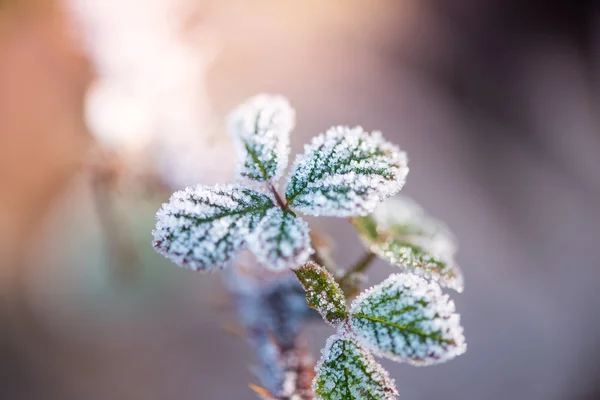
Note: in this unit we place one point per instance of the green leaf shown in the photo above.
(322, 292)
(261, 130)
(203, 227)
(401, 233)
(281, 240)
(408, 319)
(345, 172)
(346, 371)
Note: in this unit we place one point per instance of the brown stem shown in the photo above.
(278, 198)
(363, 263)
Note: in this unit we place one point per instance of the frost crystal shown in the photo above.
(400, 232)
(281, 240)
(203, 227)
(346, 371)
(345, 172)
(322, 292)
(261, 128)
(407, 319)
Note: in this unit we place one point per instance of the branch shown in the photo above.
(269, 312)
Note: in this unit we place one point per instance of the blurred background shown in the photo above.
(107, 106)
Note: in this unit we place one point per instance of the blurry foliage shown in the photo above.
(42, 135)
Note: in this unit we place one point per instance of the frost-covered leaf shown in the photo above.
(322, 292)
(203, 227)
(281, 240)
(400, 232)
(345, 172)
(346, 371)
(408, 319)
(261, 129)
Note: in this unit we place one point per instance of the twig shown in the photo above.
(280, 201)
(347, 281)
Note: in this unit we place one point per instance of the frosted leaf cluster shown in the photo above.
(346, 371)
(345, 172)
(322, 292)
(281, 241)
(261, 130)
(400, 232)
(203, 227)
(407, 319)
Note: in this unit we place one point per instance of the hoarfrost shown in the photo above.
(400, 232)
(203, 227)
(281, 240)
(346, 371)
(345, 172)
(407, 319)
(261, 130)
(322, 292)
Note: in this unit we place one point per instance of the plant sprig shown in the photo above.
(344, 172)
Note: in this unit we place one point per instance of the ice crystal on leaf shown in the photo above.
(400, 232)
(261, 129)
(281, 240)
(203, 227)
(346, 371)
(322, 292)
(345, 172)
(408, 319)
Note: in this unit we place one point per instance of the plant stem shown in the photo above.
(346, 281)
(288, 372)
(278, 198)
(363, 263)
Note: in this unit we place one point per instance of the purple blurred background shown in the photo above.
(495, 102)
